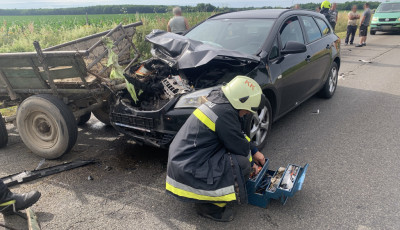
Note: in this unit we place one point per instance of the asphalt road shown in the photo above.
(352, 147)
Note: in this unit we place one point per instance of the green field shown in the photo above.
(17, 33)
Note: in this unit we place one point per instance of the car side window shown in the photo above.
(291, 31)
(274, 53)
(311, 28)
(323, 26)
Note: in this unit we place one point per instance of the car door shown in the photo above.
(318, 54)
(327, 44)
(293, 81)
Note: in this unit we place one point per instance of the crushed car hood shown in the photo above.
(181, 52)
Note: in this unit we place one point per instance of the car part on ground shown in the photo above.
(330, 85)
(26, 176)
(46, 125)
(3, 133)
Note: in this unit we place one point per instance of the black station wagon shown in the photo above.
(292, 54)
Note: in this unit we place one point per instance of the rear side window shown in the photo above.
(323, 26)
(311, 28)
(291, 31)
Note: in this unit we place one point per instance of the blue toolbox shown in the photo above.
(278, 185)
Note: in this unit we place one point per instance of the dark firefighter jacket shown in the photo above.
(202, 164)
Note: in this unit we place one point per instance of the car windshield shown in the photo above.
(388, 7)
(243, 35)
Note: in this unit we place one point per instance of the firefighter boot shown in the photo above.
(15, 202)
(217, 212)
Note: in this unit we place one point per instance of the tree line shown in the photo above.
(132, 9)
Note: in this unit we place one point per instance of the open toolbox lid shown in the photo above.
(278, 185)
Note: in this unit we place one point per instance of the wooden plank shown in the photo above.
(26, 83)
(11, 93)
(17, 62)
(42, 60)
(63, 73)
(33, 223)
(19, 73)
(38, 75)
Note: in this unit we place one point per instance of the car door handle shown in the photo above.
(308, 58)
(328, 47)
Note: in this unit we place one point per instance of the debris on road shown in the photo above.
(315, 112)
(108, 168)
(90, 178)
(26, 176)
(365, 61)
(40, 164)
(33, 223)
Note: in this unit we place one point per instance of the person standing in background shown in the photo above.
(366, 18)
(318, 9)
(333, 16)
(353, 16)
(178, 24)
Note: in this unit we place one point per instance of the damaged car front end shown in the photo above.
(172, 84)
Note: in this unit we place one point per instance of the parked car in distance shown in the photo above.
(386, 18)
(292, 54)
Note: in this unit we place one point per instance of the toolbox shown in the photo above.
(278, 185)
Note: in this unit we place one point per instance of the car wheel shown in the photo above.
(3, 133)
(330, 85)
(258, 125)
(83, 119)
(372, 32)
(46, 126)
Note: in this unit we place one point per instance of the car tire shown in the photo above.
(103, 114)
(329, 88)
(82, 120)
(46, 126)
(372, 32)
(258, 126)
(3, 133)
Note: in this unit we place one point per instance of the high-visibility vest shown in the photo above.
(208, 118)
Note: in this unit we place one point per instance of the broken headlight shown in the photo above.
(195, 99)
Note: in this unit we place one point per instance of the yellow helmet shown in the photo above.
(244, 93)
(325, 4)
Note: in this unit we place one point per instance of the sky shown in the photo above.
(29, 4)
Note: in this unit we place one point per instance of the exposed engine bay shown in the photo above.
(156, 83)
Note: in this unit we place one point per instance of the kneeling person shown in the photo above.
(210, 157)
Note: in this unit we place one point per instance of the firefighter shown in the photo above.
(12, 202)
(210, 157)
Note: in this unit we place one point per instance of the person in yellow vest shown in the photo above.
(211, 158)
(12, 202)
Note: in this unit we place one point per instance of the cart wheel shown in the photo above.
(83, 119)
(47, 126)
(3, 133)
(103, 114)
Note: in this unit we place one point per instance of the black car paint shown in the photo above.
(287, 81)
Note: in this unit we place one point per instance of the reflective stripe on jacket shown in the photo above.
(202, 165)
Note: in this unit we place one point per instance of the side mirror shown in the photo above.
(293, 48)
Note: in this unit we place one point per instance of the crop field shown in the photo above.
(17, 33)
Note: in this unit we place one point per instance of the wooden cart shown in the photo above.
(57, 88)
